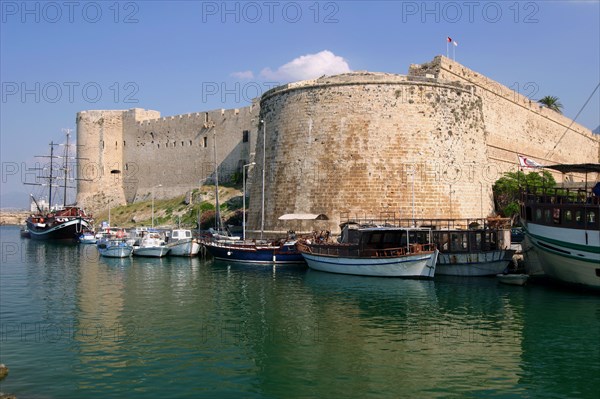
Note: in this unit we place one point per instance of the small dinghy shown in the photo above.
(513, 279)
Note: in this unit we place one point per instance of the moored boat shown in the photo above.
(374, 251)
(114, 247)
(512, 279)
(472, 248)
(24, 232)
(65, 223)
(562, 231)
(87, 237)
(151, 245)
(181, 243)
(467, 247)
(263, 252)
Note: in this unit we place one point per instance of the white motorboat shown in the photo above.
(182, 243)
(114, 248)
(151, 245)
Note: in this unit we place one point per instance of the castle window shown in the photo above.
(182, 143)
(205, 142)
(245, 135)
(116, 144)
(123, 143)
(126, 166)
(190, 143)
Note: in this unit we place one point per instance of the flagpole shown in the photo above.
(454, 52)
(447, 56)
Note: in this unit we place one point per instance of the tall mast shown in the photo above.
(51, 176)
(218, 210)
(66, 170)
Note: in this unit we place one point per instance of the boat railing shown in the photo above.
(389, 219)
(329, 249)
(353, 250)
(560, 196)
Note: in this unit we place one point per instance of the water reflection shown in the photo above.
(185, 327)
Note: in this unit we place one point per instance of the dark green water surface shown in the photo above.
(73, 325)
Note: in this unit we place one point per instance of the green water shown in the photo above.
(73, 325)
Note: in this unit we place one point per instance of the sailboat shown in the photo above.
(65, 223)
(232, 249)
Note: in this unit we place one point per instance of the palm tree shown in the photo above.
(551, 102)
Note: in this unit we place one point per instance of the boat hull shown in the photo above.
(184, 248)
(114, 249)
(572, 261)
(474, 264)
(65, 231)
(151, 252)
(116, 252)
(422, 265)
(512, 279)
(286, 254)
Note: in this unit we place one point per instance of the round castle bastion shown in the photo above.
(371, 144)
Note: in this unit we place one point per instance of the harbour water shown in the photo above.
(73, 325)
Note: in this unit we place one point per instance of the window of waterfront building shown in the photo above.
(592, 217)
(245, 135)
(578, 218)
(205, 142)
(547, 215)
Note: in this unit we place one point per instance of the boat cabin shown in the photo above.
(568, 208)
(377, 241)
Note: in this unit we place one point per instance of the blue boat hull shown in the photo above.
(255, 254)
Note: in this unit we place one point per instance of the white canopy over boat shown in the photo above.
(303, 216)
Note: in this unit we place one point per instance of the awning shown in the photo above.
(303, 216)
(577, 168)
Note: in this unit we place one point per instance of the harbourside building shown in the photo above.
(428, 144)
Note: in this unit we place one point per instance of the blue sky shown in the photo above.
(58, 58)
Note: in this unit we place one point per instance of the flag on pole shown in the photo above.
(454, 42)
(528, 163)
(449, 39)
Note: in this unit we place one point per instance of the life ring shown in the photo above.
(120, 234)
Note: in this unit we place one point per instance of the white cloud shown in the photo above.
(244, 75)
(308, 66)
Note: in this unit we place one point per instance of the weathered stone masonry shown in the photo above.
(429, 144)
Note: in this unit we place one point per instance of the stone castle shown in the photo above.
(429, 144)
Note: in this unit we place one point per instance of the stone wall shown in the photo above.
(178, 152)
(127, 154)
(364, 143)
(351, 144)
(517, 124)
(428, 145)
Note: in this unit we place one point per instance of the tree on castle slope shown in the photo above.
(551, 102)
